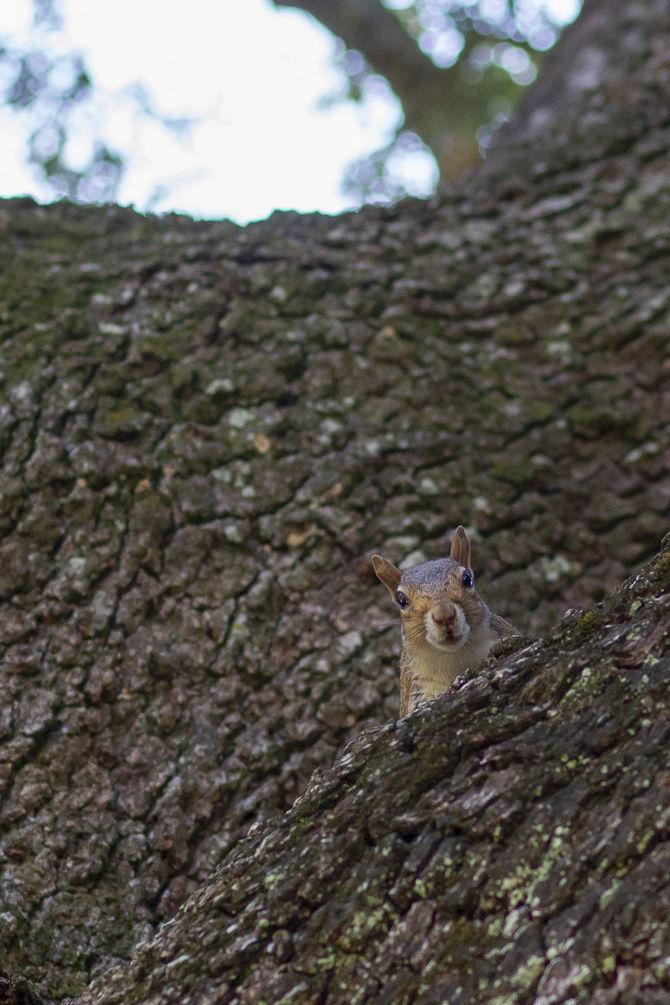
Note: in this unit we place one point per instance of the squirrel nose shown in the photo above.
(443, 615)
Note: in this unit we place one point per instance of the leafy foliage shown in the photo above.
(57, 95)
(484, 51)
(490, 50)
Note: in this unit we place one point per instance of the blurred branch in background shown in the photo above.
(457, 67)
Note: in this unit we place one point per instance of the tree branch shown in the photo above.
(426, 93)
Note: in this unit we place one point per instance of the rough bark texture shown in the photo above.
(524, 855)
(16, 991)
(595, 77)
(206, 429)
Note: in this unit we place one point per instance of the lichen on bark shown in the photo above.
(507, 843)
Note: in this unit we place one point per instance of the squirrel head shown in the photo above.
(438, 603)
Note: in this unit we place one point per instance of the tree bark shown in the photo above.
(507, 844)
(602, 72)
(205, 431)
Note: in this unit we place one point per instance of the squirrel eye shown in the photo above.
(468, 579)
(401, 599)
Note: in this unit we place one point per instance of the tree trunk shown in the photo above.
(207, 429)
(507, 844)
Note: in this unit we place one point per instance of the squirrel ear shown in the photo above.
(387, 573)
(460, 548)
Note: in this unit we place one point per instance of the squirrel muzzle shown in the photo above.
(446, 626)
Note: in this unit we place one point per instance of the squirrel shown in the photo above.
(446, 626)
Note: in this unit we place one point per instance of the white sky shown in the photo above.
(252, 76)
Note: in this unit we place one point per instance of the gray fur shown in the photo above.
(429, 576)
